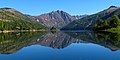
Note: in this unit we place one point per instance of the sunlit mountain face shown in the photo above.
(11, 19)
(57, 19)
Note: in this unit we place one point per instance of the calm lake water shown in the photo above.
(67, 45)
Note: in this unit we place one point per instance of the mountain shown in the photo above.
(56, 19)
(89, 21)
(112, 24)
(11, 19)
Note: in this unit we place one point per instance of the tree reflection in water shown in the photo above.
(12, 42)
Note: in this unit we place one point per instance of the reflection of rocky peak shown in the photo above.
(57, 40)
(11, 43)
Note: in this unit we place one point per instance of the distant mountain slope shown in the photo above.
(56, 19)
(88, 21)
(11, 19)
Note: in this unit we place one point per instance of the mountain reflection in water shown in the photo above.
(13, 42)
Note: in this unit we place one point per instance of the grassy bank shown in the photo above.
(7, 31)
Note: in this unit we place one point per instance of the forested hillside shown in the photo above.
(101, 20)
(10, 19)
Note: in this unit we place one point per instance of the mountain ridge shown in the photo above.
(11, 19)
(56, 19)
(63, 20)
(88, 21)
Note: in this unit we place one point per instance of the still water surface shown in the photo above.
(72, 45)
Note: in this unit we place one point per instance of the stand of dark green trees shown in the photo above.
(113, 22)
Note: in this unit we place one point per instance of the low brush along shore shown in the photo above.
(7, 31)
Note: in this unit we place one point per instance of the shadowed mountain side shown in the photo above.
(90, 21)
(108, 40)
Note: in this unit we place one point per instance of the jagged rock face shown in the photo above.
(56, 19)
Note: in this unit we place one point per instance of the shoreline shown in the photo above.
(8, 31)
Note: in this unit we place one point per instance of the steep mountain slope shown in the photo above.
(56, 19)
(11, 19)
(88, 21)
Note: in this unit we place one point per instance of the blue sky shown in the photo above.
(73, 7)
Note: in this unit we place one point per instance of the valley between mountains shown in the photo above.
(106, 20)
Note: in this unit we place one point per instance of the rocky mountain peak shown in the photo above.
(56, 18)
(113, 7)
(58, 12)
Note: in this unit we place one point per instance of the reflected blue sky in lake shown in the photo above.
(63, 46)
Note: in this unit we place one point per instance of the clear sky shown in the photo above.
(73, 7)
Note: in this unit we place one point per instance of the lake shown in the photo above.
(63, 45)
